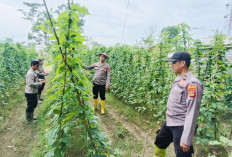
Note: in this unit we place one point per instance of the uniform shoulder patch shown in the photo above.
(192, 91)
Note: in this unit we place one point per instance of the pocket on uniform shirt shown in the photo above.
(104, 70)
(103, 77)
(177, 94)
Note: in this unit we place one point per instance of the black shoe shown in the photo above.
(29, 116)
(35, 118)
(31, 122)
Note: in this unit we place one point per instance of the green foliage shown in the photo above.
(15, 60)
(141, 77)
(214, 71)
(34, 16)
(224, 142)
(121, 132)
(177, 37)
(172, 32)
(69, 90)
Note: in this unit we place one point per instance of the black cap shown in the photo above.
(35, 62)
(180, 56)
(41, 60)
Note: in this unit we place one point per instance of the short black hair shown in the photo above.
(34, 62)
(188, 63)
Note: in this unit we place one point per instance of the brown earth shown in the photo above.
(18, 138)
(112, 119)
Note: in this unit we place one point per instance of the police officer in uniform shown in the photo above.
(182, 109)
(101, 80)
(41, 75)
(31, 91)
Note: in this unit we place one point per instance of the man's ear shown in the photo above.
(183, 63)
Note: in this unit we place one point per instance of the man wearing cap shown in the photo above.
(182, 109)
(31, 91)
(41, 75)
(101, 80)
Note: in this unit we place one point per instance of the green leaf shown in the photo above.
(70, 115)
(75, 17)
(215, 143)
(50, 153)
(63, 16)
(56, 111)
(81, 87)
(225, 140)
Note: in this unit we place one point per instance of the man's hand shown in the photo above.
(46, 74)
(184, 146)
(108, 88)
(43, 81)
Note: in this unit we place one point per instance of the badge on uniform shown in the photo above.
(192, 91)
(182, 82)
(104, 68)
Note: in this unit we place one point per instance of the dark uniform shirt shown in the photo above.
(184, 104)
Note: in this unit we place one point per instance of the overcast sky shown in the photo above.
(106, 19)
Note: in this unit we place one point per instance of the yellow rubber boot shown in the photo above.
(103, 102)
(159, 152)
(95, 104)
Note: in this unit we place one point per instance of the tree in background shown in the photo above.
(172, 32)
(32, 16)
(40, 25)
(178, 36)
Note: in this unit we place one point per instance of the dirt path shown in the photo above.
(17, 138)
(110, 122)
(137, 132)
(112, 127)
(146, 137)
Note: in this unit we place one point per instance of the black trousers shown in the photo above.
(31, 102)
(99, 89)
(40, 89)
(169, 134)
